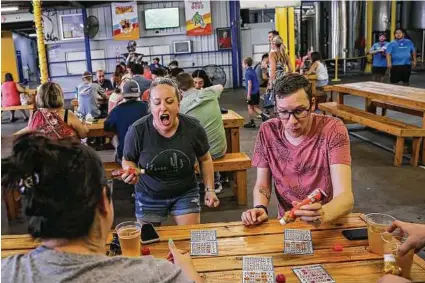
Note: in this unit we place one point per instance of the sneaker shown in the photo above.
(218, 188)
(259, 117)
(249, 125)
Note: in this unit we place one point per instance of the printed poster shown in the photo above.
(198, 17)
(125, 21)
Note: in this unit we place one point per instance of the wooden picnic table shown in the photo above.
(354, 264)
(403, 96)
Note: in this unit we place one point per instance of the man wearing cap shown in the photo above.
(379, 64)
(125, 114)
(89, 94)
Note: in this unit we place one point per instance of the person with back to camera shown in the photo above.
(318, 68)
(167, 144)
(71, 211)
(10, 95)
(301, 151)
(137, 71)
(157, 73)
(89, 94)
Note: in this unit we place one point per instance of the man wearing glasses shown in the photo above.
(301, 151)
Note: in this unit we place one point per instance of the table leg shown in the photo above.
(423, 140)
(399, 149)
(416, 147)
(340, 98)
(228, 140)
(235, 140)
(241, 187)
(369, 106)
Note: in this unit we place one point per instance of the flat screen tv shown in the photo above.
(162, 18)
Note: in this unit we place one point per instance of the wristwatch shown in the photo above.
(263, 207)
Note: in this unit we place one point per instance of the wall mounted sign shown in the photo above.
(198, 17)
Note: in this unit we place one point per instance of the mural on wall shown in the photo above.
(125, 22)
(198, 17)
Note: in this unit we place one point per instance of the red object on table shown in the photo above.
(280, 278)
(338, 248)
(146, 251)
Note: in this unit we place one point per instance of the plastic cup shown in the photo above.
(377, 223)
(392, 243)
(129, 235)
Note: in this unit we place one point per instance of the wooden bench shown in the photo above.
(394, 107)
(384, 124)
(18, 107)
(231, 162)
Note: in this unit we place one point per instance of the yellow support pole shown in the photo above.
(291, 32)
(369, 15)
(40, 40)
(336, 79)
(393, 18)
(282, 24)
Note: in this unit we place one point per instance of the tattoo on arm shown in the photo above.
(265, 192)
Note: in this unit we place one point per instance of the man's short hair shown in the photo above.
(174, 63)
(160, 72)
(290, 83)
(100, 71)
(137, 69)
(156, 59)
(185, 81)
(274, 32)
(265, 55)
(400, 29)
(248, 61)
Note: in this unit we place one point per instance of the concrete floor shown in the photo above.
(378, 185)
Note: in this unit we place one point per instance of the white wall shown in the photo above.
(252, 35)
(28, 48)
(104, 41)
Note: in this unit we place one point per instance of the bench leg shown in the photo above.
(416, 147)
(241, 187)
(399, 149)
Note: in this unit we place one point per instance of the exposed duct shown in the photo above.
(381, 15)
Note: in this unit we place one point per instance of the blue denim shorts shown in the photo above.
(151, 210)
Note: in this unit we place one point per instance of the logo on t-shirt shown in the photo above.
(169, 163)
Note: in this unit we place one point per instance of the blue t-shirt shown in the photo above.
(251, 76)
(401, 51)
(122, 117)
(380, 58)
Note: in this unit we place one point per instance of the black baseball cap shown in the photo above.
(131, 89)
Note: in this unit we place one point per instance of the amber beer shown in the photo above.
(377, 224)
(129, 236)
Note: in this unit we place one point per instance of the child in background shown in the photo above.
(252, 92)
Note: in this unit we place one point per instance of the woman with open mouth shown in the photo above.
(167, 145)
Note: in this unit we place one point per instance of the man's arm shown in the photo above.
(263, 187)
(343, 200)
(389, 65)
(414, 59)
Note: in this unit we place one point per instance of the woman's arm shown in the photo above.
(207, 170)
(20, 88)
(313, 68)
(289, 64)
(272, 64)
(78, 126)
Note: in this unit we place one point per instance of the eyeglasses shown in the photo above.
(299, 113)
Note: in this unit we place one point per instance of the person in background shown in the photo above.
(123, 67)
(198, 102)
(128, 75)
(155, 65)
(167, 144)
(144, 84)
(174, 69)
(252, 92)
(115, 99)
(10, 95)
(379, 64)
(70, 210)
(401, 57)
(201, 79)
(147, 73)
(415, 240)
(271, 34)
(125, 114)
(51, 119)
(261, 70)
(318, 68)
(278, 61)
(301, 151)
(89, 94)
(117, 76)
(104, 83)
(157, 73)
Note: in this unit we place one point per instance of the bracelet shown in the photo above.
(263, 207)
(208, 190)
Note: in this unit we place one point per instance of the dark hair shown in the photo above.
(174, 62)
(137, 69)
(289, 84)
(185, 81)
(122, 64)
(63, 182)
(274, 32)
(203, 75)
(248, 61)
(400, 29)
(129, 65)
(315, 56)
(265, 55)
(165, 81)
(8, 77)
(160, 72)
(156, 59)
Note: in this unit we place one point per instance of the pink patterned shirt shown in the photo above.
(298, 170)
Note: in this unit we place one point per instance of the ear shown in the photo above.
(104, 203)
